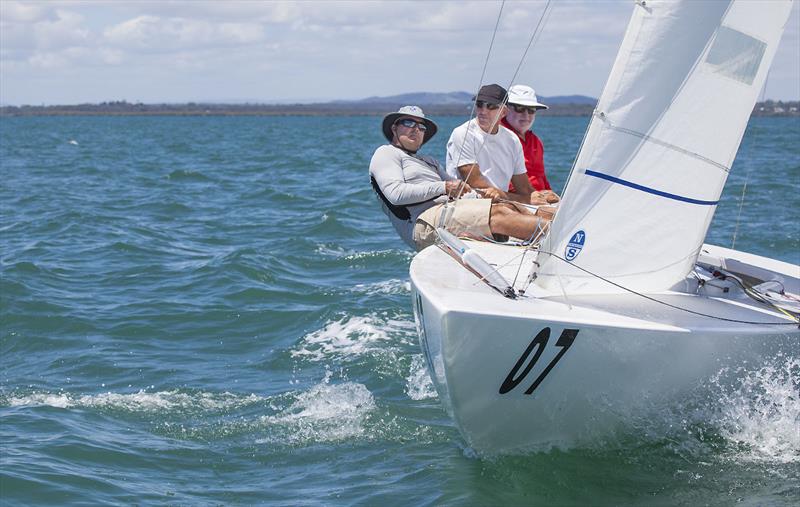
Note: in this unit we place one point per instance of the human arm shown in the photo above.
(549, 196)
(535, 197)
(471, 173)
(536, 173)
(456, 188)
(525, 193)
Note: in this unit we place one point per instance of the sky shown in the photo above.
(71, 52)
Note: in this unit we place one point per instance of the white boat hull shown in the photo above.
(538, 372)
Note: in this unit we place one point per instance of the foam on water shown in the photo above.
(141, 401)
(379, 254)
(761, 414)
(350, 255)
(741, 415)
(325, 413)
(353, 336)
(419, 385)
(394, 286)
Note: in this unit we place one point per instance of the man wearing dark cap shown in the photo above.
(414, 188)
(487, 156)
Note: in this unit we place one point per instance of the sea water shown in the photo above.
(214, 311)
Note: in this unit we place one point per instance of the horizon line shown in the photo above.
(289, 102)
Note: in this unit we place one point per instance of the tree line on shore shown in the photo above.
(122, 107)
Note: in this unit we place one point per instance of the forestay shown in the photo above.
(660, 144)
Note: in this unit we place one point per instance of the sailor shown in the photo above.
(487, 156)
(414, 188)
(522, 107)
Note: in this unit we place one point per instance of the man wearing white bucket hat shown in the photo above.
(522, 107)
(488, 156)
(413, 188)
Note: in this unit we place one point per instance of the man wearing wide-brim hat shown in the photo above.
(414, 188)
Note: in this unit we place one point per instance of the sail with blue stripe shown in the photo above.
(661, 143)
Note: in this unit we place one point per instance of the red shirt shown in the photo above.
(533, 150)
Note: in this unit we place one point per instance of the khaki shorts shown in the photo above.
(470, 217)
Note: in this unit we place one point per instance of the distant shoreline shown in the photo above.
(123, 108)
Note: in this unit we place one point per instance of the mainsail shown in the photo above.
(660, 144)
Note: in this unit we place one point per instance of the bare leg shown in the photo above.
(508, 220)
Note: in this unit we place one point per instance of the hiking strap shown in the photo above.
(397, 210)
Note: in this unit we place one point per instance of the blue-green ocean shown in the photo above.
(214, 311)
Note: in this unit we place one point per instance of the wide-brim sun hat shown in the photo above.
(522, 95)
(415, 112)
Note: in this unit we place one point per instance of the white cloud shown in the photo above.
(152, 33)
(19, 12)
(257, 50)
(46, 30)
(64, 31)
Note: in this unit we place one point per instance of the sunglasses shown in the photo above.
(523, 109)
(410, 124)
(480, 104)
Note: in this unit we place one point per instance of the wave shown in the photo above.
(188, 175)
(325, 413)
(741, 416)
(393, 286)
(353, 336)
(419, 385)
(760, 415)
(140, 401)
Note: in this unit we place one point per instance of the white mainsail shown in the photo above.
(660, 144)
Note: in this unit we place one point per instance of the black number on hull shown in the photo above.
(539, 342)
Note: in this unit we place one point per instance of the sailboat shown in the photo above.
(622, 305)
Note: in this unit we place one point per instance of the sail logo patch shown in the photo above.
(575, 245)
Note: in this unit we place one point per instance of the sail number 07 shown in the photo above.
(539, 342)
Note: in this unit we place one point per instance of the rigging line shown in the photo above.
(747, 172)
(676, 307)
(540, 231)
(534, 37)
(533, 237)
(491, 45)
(460, 188)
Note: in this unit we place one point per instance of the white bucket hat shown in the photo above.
(414, 111)
(524, 96)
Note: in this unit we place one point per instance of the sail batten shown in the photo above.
(660, 145)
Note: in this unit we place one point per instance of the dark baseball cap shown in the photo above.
(492, 94)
